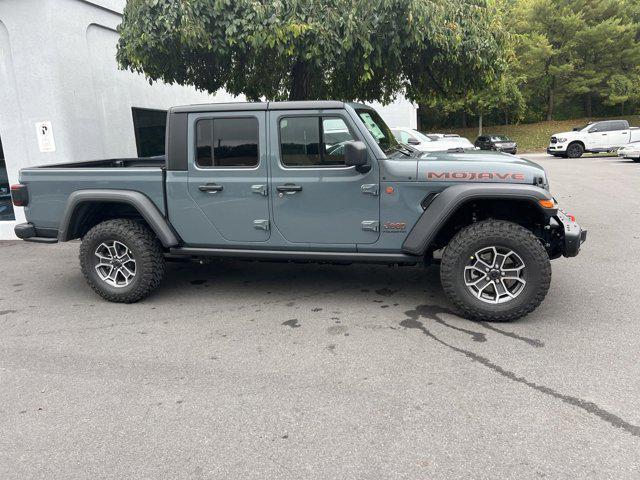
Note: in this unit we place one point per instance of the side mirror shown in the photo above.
(413, 141)
(355, 155)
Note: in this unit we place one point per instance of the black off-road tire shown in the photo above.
(503, 234)
(145, 248)
(575, 150)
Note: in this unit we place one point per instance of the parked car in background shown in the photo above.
(501, 143)
(441, 135)
(459, 142)
(631, 151)
(429, 143)
(6, 207)
(606, 136)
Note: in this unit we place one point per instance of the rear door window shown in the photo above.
(618, 125)
(227, 142)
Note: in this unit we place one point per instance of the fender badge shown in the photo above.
(394, 226)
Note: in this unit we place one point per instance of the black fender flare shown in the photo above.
(451, 198)
(143, 204)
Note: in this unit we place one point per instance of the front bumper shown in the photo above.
(556, 148)
(574, 234)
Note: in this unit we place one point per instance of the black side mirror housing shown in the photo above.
(355, 155)
(413, 141)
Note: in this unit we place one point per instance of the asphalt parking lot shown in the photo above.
(254, 370)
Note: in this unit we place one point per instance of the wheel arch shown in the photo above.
(459, 205)
(87, 208)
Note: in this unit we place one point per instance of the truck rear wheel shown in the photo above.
(495, 271)
(122, 260)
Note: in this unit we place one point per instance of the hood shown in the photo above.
(565, 134)
(479, 166)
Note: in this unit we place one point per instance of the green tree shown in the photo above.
(312, 49)
(502, 95)
(569, 49)
(605, 45)
(622, 89)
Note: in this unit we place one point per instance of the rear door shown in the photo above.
(316, 198)
(609, 134)
(228, 177)
(618, 133)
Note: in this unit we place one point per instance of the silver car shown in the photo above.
(631, 151)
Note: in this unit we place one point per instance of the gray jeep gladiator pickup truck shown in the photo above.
(322, 181)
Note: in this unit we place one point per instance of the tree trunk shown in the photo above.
(464, 119)
(480, 125)
(551, 99)
(587, 105)
(506, 117)
(300, 81)
(622, 108)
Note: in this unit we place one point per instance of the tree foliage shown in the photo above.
(312, 49)
(566, 58)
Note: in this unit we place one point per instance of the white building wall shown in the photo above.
(57, 63)
(399, 113)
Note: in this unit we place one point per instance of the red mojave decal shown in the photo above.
(474, 176)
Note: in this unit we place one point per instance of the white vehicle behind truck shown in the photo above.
(594, 137)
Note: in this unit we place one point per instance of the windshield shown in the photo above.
(421, 136)
(499, 138)
(378, 129)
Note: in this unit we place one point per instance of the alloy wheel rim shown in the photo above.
(115, 264)
(495, 275)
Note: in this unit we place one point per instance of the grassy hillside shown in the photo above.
(533, 137)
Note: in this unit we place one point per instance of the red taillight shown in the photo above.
(19, 195)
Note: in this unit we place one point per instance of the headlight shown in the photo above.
(561, 140)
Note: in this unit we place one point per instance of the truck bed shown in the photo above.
(158, 161)
(50, 186)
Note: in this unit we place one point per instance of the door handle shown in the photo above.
(211, 188)
(289, 188)
(604, 134)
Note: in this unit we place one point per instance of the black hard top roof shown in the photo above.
(247, 106)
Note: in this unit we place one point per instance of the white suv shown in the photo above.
(605, 136)
(425, 143)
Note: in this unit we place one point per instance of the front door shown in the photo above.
(316, 198)
(228, 177)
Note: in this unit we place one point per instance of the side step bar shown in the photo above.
(295, 255)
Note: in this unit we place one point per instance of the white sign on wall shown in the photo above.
(44, 132)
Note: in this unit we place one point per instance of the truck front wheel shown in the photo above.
(495, 270)
(575, 150)
(122, 260)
